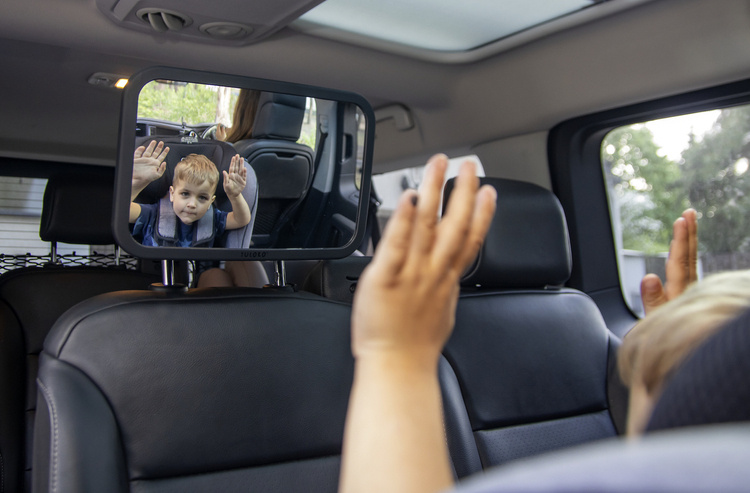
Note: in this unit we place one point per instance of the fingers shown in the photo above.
(457, 220)
(678, 262)
(429, 203)
(393, 248)
(161, 152)
(691, 218)
(139, 152)
(484, 211)
(652, 293)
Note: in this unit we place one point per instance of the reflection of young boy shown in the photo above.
(186, 223)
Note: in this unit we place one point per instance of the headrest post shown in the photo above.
(167, 272)
(53, 252)
(280, 277)
(117, 255)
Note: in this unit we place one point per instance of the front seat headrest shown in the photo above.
(279, 116)
(527, 245)
(78, 209)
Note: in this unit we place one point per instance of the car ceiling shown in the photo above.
(49, 49)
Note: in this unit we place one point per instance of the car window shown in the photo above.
(390, 186)
(654, 170)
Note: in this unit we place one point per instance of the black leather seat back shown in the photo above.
(216, 390)
(76, 209)
(532, 359)
(284, 168)
(712, 385)
(220, 153)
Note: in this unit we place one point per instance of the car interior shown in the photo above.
(118, 373)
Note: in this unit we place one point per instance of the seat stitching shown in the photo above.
(51, 402)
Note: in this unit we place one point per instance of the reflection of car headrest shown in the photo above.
(711, 386)
(527, 245)
(219, 152)
(78, 209)
(279, 116)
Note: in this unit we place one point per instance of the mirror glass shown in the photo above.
(220, 167)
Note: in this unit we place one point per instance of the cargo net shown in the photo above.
(124, 261)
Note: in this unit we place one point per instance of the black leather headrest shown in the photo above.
(527, 245)
(78, 209)
(220, 153)
(279, 116)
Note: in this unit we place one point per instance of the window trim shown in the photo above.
(574, 153)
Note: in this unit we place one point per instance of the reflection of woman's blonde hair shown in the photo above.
(243, 118)
(196, 169)
(657, 345)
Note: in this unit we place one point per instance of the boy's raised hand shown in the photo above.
(236, 179)
(406, 298)
(148, 163)
(681, 268)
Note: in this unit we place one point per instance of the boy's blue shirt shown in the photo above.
(146, 228)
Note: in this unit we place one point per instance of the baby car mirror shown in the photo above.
(213, 166)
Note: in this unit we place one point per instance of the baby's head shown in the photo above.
(655, 347)
(193, 187)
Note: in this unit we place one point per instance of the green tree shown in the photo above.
(189, 103)
(715, 176)
(647, 188)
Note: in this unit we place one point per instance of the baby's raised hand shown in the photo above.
(148, 163)
(236, 179)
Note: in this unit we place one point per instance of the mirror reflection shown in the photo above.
(228, 167)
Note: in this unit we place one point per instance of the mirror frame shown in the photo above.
(126, 147)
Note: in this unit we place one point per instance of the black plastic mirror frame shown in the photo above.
(126, 147)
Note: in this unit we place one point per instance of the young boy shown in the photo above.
(190, 220)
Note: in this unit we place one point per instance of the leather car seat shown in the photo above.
(213, 390)
(534, 360)
(284, 168)
(76, 209)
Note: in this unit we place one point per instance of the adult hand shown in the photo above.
(406, 299)
(236, 180)
(681, 268)
(148, 164)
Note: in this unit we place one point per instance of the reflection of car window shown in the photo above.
(200, 105)
(656, 169)
(390, 186)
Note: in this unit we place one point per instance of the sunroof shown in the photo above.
(442, 25)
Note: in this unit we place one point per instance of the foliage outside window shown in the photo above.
(650, 185)
(200, 104)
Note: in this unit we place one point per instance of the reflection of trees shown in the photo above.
(650, 190)
(191, 103)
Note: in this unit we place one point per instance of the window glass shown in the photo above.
(390, 186)
(654, 170)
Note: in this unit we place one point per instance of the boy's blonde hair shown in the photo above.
(656, 346)
(196, 169)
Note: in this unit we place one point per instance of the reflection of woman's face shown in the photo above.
(190, 201)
